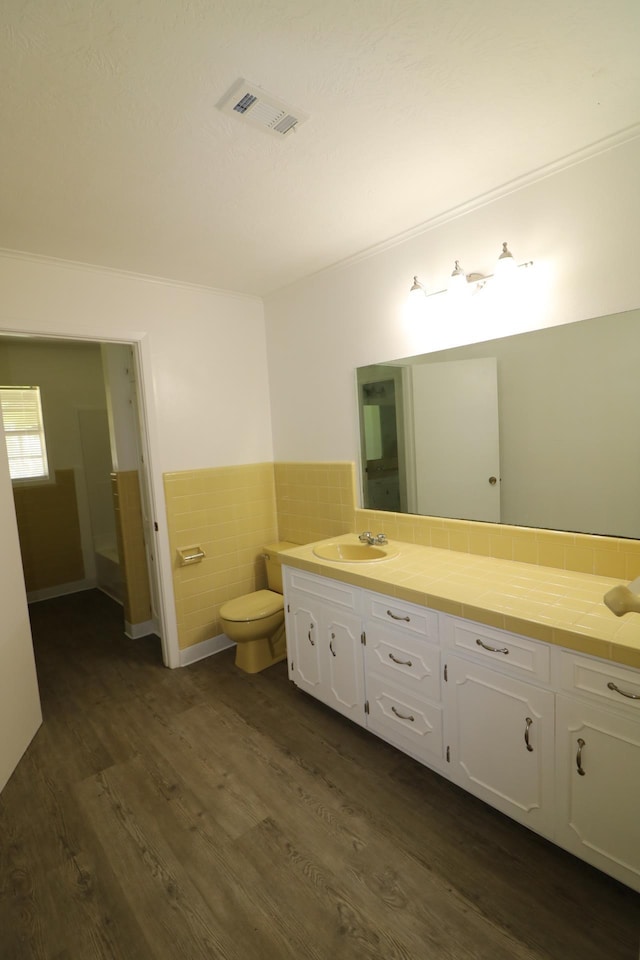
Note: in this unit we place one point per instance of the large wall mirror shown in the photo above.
(540, 429)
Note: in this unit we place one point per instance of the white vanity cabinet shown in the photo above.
(549, 737)
(499, 724)
(598, 765)
(324, 641)
(402, 676)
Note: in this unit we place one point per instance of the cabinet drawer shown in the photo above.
(407, 618)
(332, 591)
(507, 652)
(601, 680)
(403, 719)
(404, 659)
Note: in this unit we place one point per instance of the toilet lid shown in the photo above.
(252, 606)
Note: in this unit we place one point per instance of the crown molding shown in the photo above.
(124, 274)
(469, 206)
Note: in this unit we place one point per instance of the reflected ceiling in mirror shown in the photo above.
(540, 429)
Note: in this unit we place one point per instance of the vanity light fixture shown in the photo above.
(457, 280)
(417, 289)
(506, 265)
(461, 282)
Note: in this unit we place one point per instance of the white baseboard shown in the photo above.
(101, 587)
(137, 630)
(60, 590)
(205, 649)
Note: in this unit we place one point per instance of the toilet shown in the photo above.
(255, 621)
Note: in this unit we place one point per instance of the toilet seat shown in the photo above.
(252, 606)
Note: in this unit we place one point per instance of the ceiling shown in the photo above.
(113, 151)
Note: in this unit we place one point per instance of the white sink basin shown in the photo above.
(354, 552)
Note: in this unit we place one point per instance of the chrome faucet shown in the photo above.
(368, 537)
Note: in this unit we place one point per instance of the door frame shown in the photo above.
(153, 480)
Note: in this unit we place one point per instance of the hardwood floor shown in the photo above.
(204, 813)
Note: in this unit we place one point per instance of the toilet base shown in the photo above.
(252, 656)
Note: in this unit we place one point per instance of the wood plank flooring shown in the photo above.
(202, 813)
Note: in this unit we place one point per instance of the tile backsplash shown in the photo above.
(584, 553)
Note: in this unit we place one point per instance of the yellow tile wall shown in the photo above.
(584, 553)
(49, 531)
(230, 513)
(125, 487)
(314, 500)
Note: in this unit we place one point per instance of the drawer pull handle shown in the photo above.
(402, 716)
(311, 640)
(528, 721)
(333, 653)
(629, 696)
(394, 617)
(404, 663)
(485, 646)
(581, 744)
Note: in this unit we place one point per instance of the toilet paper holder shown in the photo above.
(189, 555)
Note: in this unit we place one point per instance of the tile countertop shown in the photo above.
(556, 606)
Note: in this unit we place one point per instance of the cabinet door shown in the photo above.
(324, 653)
(342, 657)
(304, 643)
(500, 738)
(598, 775)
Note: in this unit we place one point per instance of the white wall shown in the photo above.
(204, 371)
(581, 227)
(20, 714)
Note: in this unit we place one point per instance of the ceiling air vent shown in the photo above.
(260, 109)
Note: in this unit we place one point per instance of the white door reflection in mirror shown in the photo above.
(456, 440)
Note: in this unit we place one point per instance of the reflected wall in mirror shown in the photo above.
(540, 429)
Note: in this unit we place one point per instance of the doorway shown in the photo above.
(89, 524)
(382, 437)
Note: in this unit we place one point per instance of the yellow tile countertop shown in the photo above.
(556, 606)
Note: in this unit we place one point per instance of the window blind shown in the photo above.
(24, 430)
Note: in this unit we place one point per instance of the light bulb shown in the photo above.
(506, 265)
(458, 281)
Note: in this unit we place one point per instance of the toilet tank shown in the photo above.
(273, 562)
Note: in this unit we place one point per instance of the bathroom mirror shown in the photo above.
(539, 429)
